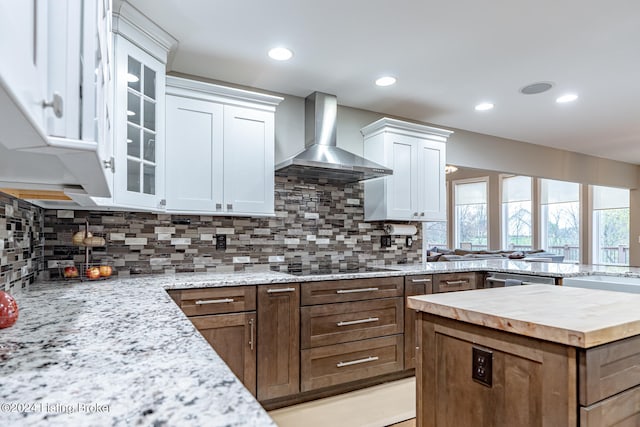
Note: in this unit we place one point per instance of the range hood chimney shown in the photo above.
(321, 157)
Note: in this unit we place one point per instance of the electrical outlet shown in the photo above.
(221, 241)
(482, 366)
(409, 241)
(385, 241)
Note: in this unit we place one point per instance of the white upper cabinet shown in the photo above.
(417, 154)
(54, 82)
(220, 149)
(194, 146)
(248, 160)
(141, 50)
(23, 72)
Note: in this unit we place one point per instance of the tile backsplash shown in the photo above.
(317, 226)
(21, 243)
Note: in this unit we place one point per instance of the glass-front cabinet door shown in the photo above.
(139, 140)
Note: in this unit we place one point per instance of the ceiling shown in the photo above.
(447, 56)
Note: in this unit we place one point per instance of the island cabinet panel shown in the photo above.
(621, 410)
(337, 323)
(533, 382)
(331, 291)
(452, 282)
(278, 340)
(234, 339)
(413, 285)
(341, 363)
(608, 369)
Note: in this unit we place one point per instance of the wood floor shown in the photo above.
(383, 405)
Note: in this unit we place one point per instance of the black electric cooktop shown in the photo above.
(336, 271)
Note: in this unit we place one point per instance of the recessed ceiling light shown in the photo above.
(484, 106)
(280, 53)
(386, 81)
(535, 88)
(570, 97)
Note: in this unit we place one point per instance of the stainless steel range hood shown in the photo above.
(322, 159)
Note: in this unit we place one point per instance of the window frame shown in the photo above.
(454, 213)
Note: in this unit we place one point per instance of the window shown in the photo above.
(436, 234)
(610, 225)
(470, 200)
(516, 213)
(560, 218)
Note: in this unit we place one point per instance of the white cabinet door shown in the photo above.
(194, 155)
(64, 29)
(402, 186)
(417, 154)
(431, 180)
(248, 161)
(139, 128)
(23, 72)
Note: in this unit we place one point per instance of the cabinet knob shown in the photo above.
(56, 103)
(110, 164)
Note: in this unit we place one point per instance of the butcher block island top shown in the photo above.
(582, 318)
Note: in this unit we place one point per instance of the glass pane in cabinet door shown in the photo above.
(149, 146)
(133, 108)
(134, 74)
(133, 176)
(149, 179)
(149, 115)
(149, 82)
(133, 141)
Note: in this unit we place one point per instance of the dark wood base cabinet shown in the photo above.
(528, 382)
(278, 340)
(234, 338)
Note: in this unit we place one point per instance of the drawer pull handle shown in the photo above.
(276, 291)
(352, 291)
(251, 328)
(420, 280)
(456, 282)
(214, 301)
(357, 322)
(356, 362)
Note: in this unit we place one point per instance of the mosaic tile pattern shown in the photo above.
(317, 226)
(21, 243)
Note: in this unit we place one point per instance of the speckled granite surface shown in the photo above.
(120, 352)
(122, 346)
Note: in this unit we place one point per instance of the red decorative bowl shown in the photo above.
(8, 310)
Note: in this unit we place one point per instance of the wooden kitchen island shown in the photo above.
(534, 355)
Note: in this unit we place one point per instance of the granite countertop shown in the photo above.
(115, 352)
(123, 346)
(577, 317)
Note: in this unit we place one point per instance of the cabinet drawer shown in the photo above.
(196, 302)
(454, 282)
(351, 290)
(620, 410)
(608, 369)
(422, 282)
(341, 363)
(337, 323)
